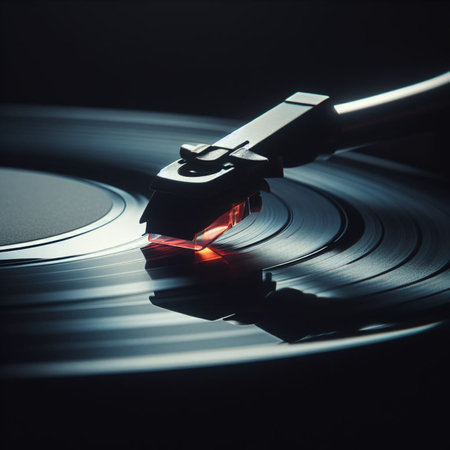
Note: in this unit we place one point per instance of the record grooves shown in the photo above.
(358, 248)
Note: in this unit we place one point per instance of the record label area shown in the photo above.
(50, 218)
(345, 252)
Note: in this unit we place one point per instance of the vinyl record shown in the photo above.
(345, 252)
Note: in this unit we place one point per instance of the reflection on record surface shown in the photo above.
(346, 252)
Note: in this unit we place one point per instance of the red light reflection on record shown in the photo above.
(207, 254)
(201, 240)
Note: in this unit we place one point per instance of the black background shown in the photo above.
(226, 59)
(234, 60)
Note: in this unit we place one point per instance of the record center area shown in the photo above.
(36, 205)
(49, 217)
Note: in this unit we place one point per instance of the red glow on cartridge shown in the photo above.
(202, 239)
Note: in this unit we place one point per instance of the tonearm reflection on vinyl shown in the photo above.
(213, 187)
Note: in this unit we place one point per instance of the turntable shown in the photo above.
(349, 252)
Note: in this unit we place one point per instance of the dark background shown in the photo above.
(226, 59)
(230, 60)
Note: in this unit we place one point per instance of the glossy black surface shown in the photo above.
(356, 232)
(226, 60)
(353, 251)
